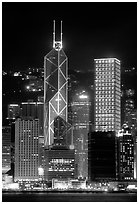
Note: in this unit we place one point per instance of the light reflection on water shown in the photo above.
(68, 197)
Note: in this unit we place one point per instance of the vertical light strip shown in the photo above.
(66, 90)
(48, 141)
(58, 80)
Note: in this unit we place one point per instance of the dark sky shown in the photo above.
(90, 30)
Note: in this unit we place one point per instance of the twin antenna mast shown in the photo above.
(57, 44)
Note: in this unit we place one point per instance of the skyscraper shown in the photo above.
(55, 88)
(81, 125)
(126, 154)
(101, 156)
(26, 149)
(35, 110)
(107, 94)
(130, 111)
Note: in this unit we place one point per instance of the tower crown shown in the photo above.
(57, 45)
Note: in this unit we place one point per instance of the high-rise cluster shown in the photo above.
(51, 149)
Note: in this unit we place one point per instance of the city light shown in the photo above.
(40, 171)
(83, 96)
(98, 154)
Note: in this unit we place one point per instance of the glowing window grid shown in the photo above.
(107, 94)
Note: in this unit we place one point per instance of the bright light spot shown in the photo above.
(13, 186)
(83, 96)
(71, 146)
(131, 187)
(13, 105)
(40, 171)
(17, 74)
(120, 133)
(58, 99)
(28, 87)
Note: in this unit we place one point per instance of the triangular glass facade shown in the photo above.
(55, 93)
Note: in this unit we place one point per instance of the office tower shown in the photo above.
(130, 112)
(26, 149)
(13, 111)
(129, 107)
(130, 119)
(35, 110)
(59, 163)
(107, 95)
(73, 83)
(81, 124)
(101, 156)
(126, 154)
(6, 149)
(55, 88)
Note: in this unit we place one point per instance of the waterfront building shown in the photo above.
(81, 125)
(68, 184)
(130, 119)
(6, 149)
(55, 88)
(126, 154)
(101, 156)
(107, 94)
(26, 149)
(59, 162)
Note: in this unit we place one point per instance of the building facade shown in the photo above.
(26, 149)
(126, 154)
(59, 163)
(107, 94)
(130, 111)
(55, 88)
(33, 110)
(6, 148)
(101, 156)
(81, 125)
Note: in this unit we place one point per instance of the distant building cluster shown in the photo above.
(76, 135)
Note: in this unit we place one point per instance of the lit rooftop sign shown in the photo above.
(83, 96)
(13, 105)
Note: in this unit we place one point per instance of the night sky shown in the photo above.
(90, 30)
